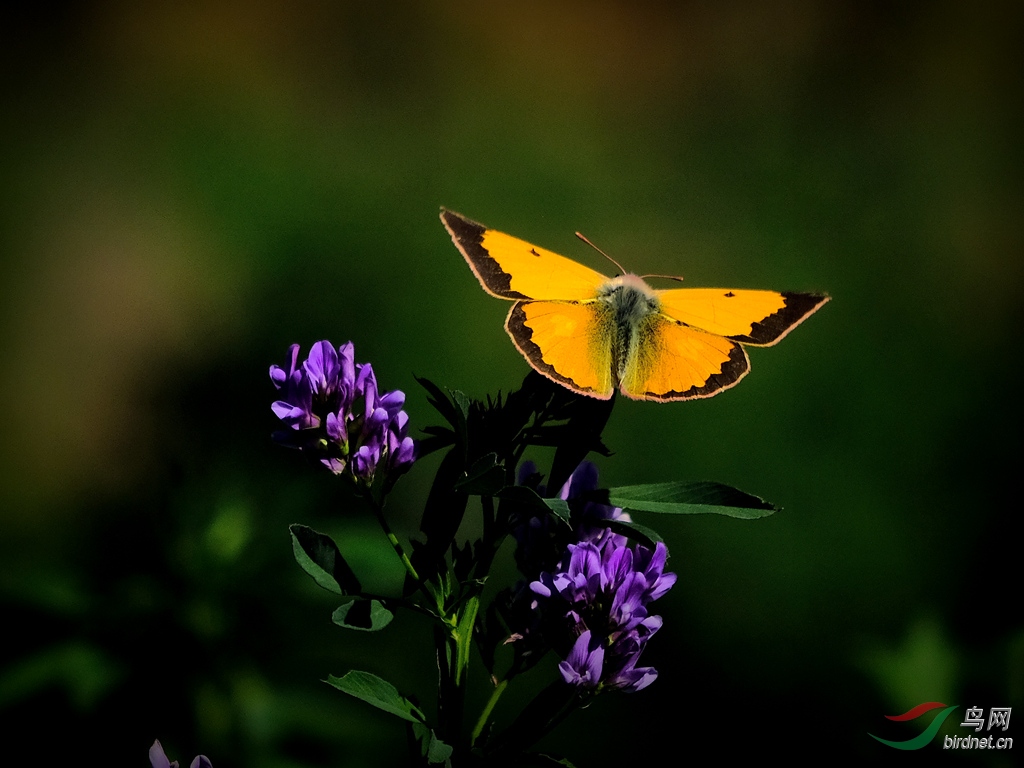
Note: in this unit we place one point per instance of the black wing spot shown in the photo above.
(534, 252)
(729, 295)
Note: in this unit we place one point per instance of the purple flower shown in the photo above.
(625, 675)
(158, 759)
(333, 409)
(593, 600)
(582, 667)
(295, 408)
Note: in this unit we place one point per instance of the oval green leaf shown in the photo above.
(530, 498)
(639, 533)
(319, 556)
(377, 692)
(361, 614)
(690, 499)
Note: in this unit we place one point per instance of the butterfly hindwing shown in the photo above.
(672, 361)
(759, 318)
(569, 342)
(510, 268)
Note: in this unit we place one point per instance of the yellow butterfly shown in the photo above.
(593, 334)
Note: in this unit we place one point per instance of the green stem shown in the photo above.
(486, 713)
(378, 510)
(450, 695)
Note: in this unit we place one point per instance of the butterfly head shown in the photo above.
(629, 297)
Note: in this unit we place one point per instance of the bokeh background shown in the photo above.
(187, 189)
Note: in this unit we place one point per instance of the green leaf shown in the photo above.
(640, 533)
(560, 507)
(464, 636)
(442, 516)
(378, 692)
(530, 498)
(431, 747)
(543, 760)
(438, 751)
(319, 557)
(485, 478)
(437, 398)
(689, 499)
(364, 615)
(461, 402)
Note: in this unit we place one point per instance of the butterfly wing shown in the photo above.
(691, 347)
(556, 323)
(759, 318)
(569, 342)
(510, 268)
(668, 360)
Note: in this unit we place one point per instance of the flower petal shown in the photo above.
(157, 757)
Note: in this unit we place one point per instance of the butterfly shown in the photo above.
(594, 334)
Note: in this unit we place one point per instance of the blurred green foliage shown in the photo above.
(188, 190)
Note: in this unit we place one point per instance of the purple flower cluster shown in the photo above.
(601, 591)
(158, 758)
(333, 408)
(593, 603)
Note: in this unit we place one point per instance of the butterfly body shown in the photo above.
(595, 334)
(630, 304)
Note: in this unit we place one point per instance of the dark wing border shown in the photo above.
(798, 307)
(468, 237)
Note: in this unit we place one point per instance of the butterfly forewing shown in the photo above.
(760, 318)
(510, 268)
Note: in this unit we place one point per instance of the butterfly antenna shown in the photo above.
(582, 237)
(666, 277)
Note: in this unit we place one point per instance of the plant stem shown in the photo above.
(378, 510)
(450, 694)
(435, 599)
(486, 713)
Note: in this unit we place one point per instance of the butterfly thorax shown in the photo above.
(630, 303)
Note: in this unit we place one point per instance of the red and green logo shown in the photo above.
(927, 734)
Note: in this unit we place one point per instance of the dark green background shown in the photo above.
(187, 190)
